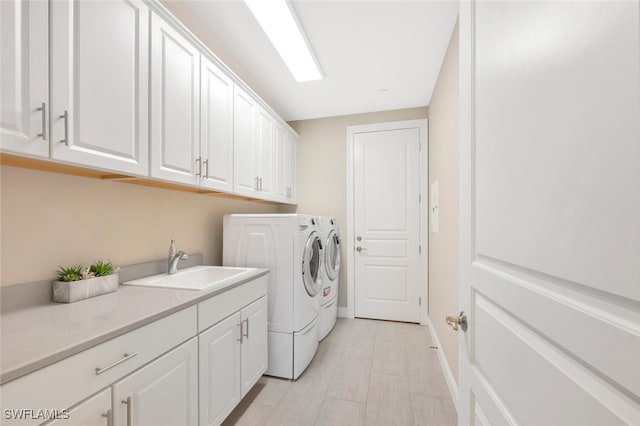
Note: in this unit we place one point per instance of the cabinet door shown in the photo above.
(99, 84)
(244, 147)
(95, 411)
(293, 169)
(254, 345)
(164, 392)
(24, 70)
(219, 350)
(282, 163)
(175, 105)
(265, 147)
(216, 127)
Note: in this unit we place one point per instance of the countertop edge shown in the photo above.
(20, 371)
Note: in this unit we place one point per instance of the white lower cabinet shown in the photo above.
(220, 370)
(254, 343)
(233, 356)
(164, 392)
(95, 411)
(188, 368)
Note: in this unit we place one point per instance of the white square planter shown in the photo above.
(67, 292)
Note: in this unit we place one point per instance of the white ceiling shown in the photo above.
(361, 46)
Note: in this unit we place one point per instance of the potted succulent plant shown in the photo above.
(78, 283)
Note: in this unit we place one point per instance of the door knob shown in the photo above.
(459, 321)
(359, 249)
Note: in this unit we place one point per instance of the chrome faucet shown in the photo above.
(175, 256)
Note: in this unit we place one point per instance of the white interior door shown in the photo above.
(386, 189)
(550, 213)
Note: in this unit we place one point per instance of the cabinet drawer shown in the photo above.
(95, 411)
(222, 305)
(65, 383)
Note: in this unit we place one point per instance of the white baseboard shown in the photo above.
(343, 312)
(448, 375)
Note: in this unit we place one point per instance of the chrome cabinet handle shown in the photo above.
(109, 417)
(206, 169)
(260, 184)
(199, 162)
(66, 128)
(113, 364)
(128, 403)
(257, 186)
(43, 108)
(240, 339)
(247, 321)
(457, 322)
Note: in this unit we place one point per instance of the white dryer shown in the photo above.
(330, 234)
(290, 246)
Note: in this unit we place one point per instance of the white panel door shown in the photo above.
(387, 224)
(550, 213)
(99, 84)
(254, 344)
(164, 392)
(265, 145)
(175, 105)
(245, 176)
(95, 411)
(216, 127)
(24, 70)
(219, 349)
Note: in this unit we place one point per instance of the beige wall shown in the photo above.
(50, 219)
(322, 168)
(443, 167)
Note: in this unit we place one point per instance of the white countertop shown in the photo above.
(37, 336)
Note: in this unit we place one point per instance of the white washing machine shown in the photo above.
(330, 234)
(289, 245)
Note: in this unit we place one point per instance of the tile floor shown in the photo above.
(365, 373)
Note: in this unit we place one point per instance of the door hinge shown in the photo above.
(419, 249)
(419, 301)
(419, 198)
(419, 146)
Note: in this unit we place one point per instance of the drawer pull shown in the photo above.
(120, 361)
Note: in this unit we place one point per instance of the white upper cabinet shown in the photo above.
(281, 174)
(99, 84)
(293, 170)
(175, 105)
(244, 146)
(263, 160)
(285, 165)
(216, 128)
(24, 70)
(123, 87)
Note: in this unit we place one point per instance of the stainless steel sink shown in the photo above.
(195, 278)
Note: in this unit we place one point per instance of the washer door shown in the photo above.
(311, 259)
(332, 256)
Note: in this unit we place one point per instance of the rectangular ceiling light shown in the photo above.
(277, 19)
